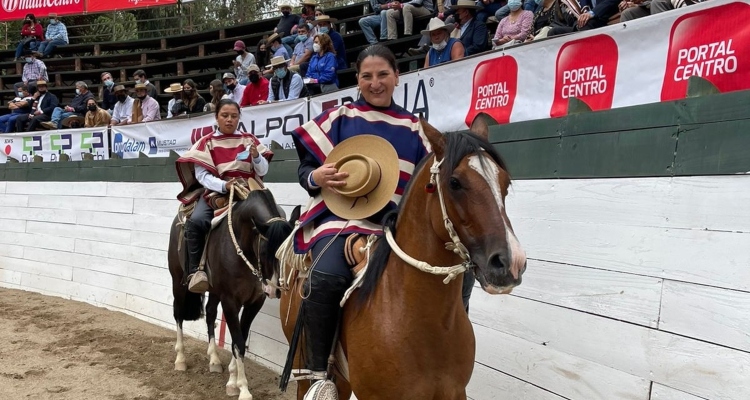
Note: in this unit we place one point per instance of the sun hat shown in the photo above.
(173, 88)
(373, 168)
(278, 60)
(140, 86)
(324, 18)
(469, 4)
(435, 24)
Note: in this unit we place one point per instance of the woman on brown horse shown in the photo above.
(397, 304)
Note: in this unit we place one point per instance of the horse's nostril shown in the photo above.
(498, 261)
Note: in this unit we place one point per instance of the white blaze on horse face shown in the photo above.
(490, 173)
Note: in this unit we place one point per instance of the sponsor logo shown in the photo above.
(20, 5)
(494, 89)
(32, 144)
(717, 54)
(198, 133)
(587, 75)
(128, 145)
(8, 146)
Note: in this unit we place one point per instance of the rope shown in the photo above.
(243, 193)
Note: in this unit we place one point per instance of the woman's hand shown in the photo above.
(326, 176)
(254, 151)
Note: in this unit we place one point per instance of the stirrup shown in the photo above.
(198, 282)
(322, 390)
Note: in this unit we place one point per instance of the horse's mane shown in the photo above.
(457, 146)
(277, 231)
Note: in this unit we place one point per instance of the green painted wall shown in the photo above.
(706, 135)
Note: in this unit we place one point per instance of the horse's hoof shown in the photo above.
(180, 366)
(245, 396)
(233, 391)
(216, 368)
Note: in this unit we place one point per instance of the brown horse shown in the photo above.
(260, 228)
(405, 331)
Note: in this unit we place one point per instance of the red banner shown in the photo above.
(13, 10)
(113, 5)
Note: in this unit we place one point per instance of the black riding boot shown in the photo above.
(321, 317)
(196, 240)
(468, 285)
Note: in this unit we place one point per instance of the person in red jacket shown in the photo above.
(256, 89)
(32, 33)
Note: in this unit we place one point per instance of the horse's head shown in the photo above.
(270, 229)
(474, 182)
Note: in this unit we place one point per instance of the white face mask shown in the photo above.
(439, 46)
(316, 47)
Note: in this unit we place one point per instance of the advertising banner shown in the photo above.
(115, 5)
(50, 145)
(13, 10)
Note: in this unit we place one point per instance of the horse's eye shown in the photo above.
(454, 184)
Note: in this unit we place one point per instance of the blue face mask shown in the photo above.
(53, 21)
(280, 73)
(301, 38)
(323, 29)
(514, 5)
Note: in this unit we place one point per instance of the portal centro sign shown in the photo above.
(13, 5)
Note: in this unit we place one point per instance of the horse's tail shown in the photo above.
(192, 307)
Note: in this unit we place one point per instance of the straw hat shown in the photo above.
(284, 4)
(468, 4)
(140, 86)
(324, 18)
(118, 88)
(73, 121)
(272, 38)
(435, 24)
(308, 3)
(52, 15)
(278, 60)
(173, 88)
(372, 165)
(41, 82)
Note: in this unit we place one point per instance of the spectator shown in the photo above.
(284, 85)
(20, 107)
(528, 5)
(262, 56)
(76, 107)
(276, 47)
(139, 76)
(57, 35)
(634, 9)
(175, 90)
(407, 12)
(323, 22)
(33, 70)
(46, 104)
(233, 89)
(32, 33)
(108, 98)
(516, 27)
(303, 50)
(123, 111)
(591, 17)
(191, 101)
(378, 19)
(489, 8)
(288, 21)
(145, 107)
(243, 60)
(444, 48)
(549, 14)
(256, 92)
(473, 34)
(96, 116)
(322, 70)
(307, 17)
(217, 92)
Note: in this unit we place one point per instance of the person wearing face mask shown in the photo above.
(33, 70)
(472, 33)
(515, 28)
(216, 88)
(443, 48)
(243, 60)
(233, 89)
(77, 108)
(191, 100)
(324, 25)
(256, 91)
(123, 110)
(288, 21)
(96, 116)
(19, 107)
(322, 69)
(45, 105)
(175, 90)
(303, 50)
(56, 35)
(108, 97)
(139, 76)
(145, 107)
(32, 33)
(285, 85)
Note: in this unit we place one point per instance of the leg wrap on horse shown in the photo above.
(321, 317)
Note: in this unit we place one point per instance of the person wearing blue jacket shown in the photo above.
(322, 68)
(324, 24)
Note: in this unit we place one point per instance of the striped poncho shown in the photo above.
(315, 139)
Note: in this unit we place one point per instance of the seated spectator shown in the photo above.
(472, 33)
(307, 16)
(33, 70)
(277, 48)
(288, 21)
(191, 102)
(284, 85)
(489, 8)
(377, 19)
(77, 107)
(145, 107)
(216, 87)
(123, 111)
(528, 5)
(323, 23)
(551, 13)
(139, 76)
(32, 33)
(96, 116)
(407, 12)
(56, 35)
(233, 89)
(444, 48)
(20, 106)
(516, 27)
(108, 98)
(322, 69)
(256, 91)
(243, 60)
(590, 17)
(633, 9)
(262, 56)
(303, 50)
(45, 105)
(175, 90)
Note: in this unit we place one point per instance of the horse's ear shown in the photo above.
(437, 140)
(481, 126)
(295, 214)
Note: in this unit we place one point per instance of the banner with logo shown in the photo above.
(50, 145)
(269, 123)
(17, 9)
(115, 5)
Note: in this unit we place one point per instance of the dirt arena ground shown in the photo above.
(59, 349)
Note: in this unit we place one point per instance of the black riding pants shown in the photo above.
(332, 261)
(202, 216)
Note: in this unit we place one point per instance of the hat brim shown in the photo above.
(169, 90)
(286, 62)
(468, 7)
(331, 20)
(448, 28)
(386, 157)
